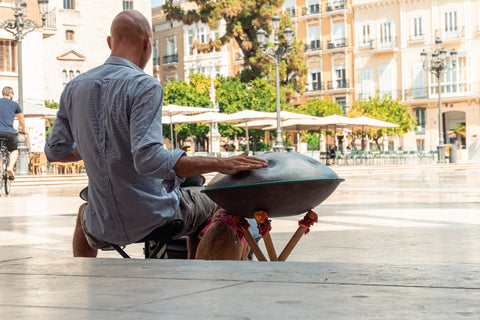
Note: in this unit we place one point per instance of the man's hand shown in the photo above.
(192, 166)
(232, 165)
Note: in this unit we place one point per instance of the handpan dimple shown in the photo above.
(292, 184)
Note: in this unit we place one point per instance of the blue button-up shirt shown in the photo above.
(113, 114)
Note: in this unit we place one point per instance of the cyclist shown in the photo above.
(9, 109)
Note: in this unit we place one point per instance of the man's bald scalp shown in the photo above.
(129, 25)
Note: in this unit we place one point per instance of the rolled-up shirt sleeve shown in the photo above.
(60, 141)
(146, 138)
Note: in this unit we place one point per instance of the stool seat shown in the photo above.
(160, 237)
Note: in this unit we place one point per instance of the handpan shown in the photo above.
(291, 184)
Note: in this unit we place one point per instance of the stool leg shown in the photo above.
(264, 227)
(244, 227)
(303, 228)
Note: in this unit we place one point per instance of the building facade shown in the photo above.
(390, 35)
(79, 39)
(326, 29)
(175, 56)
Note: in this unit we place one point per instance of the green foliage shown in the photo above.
(313, 140)
(387, 109)
(243, 18)
(319, 108)
(51, 104)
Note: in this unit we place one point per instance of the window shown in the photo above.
(217, 72)
(316, 80)
(71, 75)
(190, 42)
(419, 120)
(69, 4)
(203, 35)
(69, 35)
(450, 25)
(417, 28)
(338, 34)
(64, 76)
(342, 102)
(77, 73)
(419, 82)
(313, 6)
(8, 56)
(365, 38)
(127, 5)
(385, 35)
(313, 36)
(386, 80)
(454, 80)
(368, 85)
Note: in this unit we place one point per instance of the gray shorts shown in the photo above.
(194, 210)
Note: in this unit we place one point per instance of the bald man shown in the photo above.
(111, 117)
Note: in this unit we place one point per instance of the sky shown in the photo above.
(156, 3)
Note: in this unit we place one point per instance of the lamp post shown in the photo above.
(276, 52)
(437, 64)
(19, 27)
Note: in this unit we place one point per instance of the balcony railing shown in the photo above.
(335, 5)
(316, 86)
(415, 93)
(338, 43)
(337, 84)
(51, 21)
(314, 45)
(380, 44)
(457, 33)
(173, 58)
(312, 9)
(156, 61)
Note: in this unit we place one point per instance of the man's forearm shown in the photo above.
(72, 156)
(192, 166)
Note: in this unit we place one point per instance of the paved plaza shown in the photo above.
(391, 243)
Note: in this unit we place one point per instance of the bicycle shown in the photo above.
(5, 180)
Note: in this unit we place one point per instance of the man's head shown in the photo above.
(130, 37)
(7, 92)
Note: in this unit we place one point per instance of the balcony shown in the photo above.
(384, 44)
(335, 5)
(315, 45)
(415, 93)
(173, 58)
(337, 43)
(451, 35)
(317, 86)
(337, 84)
(310, 10)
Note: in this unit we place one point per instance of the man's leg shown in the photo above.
(12, 159)
(81, 248)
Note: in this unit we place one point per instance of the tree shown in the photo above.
(194, 94)
(387, 109)
(243, 18)
(319, 108)
(459, 133)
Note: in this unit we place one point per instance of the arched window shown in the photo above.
(69, 35)
(127, 4)
(71, 74)
(64, 76)
(77, 73)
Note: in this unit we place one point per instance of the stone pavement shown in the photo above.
(391, 243)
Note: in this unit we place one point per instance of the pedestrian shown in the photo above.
(9, 110)
(111, 117)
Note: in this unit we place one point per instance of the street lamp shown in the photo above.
(277, 53)
(437, 64)
(19, 27)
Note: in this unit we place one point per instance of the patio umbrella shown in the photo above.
(31, 110)
(365, 122)
(171, 110)
(263, 119)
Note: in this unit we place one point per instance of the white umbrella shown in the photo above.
(369, 123)
(171, 110)
(31, 110)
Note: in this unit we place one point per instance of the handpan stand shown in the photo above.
(292, 184)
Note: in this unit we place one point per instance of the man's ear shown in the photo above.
(109, 42)
(146, 42)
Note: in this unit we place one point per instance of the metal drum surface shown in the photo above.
(292, 184)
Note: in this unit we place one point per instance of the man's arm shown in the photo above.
(192, 166)
(21, 121)
(72, 156)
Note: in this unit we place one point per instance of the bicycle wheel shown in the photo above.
(2, 183)
(7, 183)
